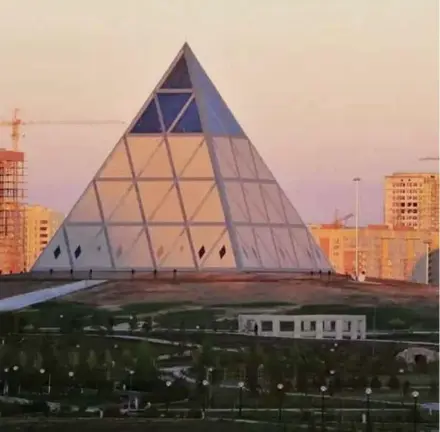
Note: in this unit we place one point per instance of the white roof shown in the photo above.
(185, 189)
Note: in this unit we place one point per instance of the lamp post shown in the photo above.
(323, 390)
(209, 379)
(71, 375)
(15, 369)
(5, 385)
(331, 383)
(205, 384)
(415, 395)
(167, 396)
(131, 372)
(368, 392)
(426, 262)
(356, 182)
(240, 397)
(280, 388)
(42, 372)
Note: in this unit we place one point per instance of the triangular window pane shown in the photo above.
(190, 120)
(171, 104)
(178, 77)
(148, 122)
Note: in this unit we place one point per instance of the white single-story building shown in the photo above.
(305, 326)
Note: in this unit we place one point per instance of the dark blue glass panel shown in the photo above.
(190, 120)
(148, 122)
(178, 78)
(218, 119)
(171, 104)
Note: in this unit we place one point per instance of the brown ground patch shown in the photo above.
(256, 288)
(11, 287)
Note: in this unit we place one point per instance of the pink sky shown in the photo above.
(326, 90)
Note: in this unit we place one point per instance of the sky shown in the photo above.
(327, 90)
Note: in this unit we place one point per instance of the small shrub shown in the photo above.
(393, 382)
(375, 383)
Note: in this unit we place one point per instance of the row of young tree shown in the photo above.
(306, 370)
(33, 361)
(104, 322)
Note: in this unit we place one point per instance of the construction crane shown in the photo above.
(429, 158)
(340, 221)
(16, 123)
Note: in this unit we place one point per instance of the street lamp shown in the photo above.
(209, 379)
(5, 385)
(205, 384)
(131, 372)
(15, 369)
(356, 182)
(240, 397)
(42, 372)
(280, 388)
(167, 396)
(415, 395)
(368, 392)
(323, 390)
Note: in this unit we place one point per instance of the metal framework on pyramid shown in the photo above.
(185, 189)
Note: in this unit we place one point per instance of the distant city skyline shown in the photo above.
(327, 91)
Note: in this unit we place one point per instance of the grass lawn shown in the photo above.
(132, 425)
(145, 308)
(96, 343)
(387, 317)
(204, 318)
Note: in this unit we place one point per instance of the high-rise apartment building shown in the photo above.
(41, 225)
(384, 251)
(412, 200)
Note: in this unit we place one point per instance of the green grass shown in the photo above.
(389, 317)
(135, 425)
(141, 308)
(189, 319)
(256, 304)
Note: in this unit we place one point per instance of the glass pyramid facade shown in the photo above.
(183, 189)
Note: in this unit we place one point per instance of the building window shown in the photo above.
(312, 325)
(44, 222)
(287, 326)
(266, 326)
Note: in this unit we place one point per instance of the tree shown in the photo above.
(393, 382)
(405, 388)
(145, 362)
(73, 359)
(110, 324)
(375, 383)
(146, 327)
(133, 323)
(37, 361)
(253, 359)
(92, 360)
(127, 359)
(433, 388)
(108, 364)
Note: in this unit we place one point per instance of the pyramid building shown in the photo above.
(185, 189)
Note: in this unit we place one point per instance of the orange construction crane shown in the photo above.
(16, 122)
(340, 221)
(429, 158)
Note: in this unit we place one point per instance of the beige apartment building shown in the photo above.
(41, 225)
(384, 251)
(412, 200)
